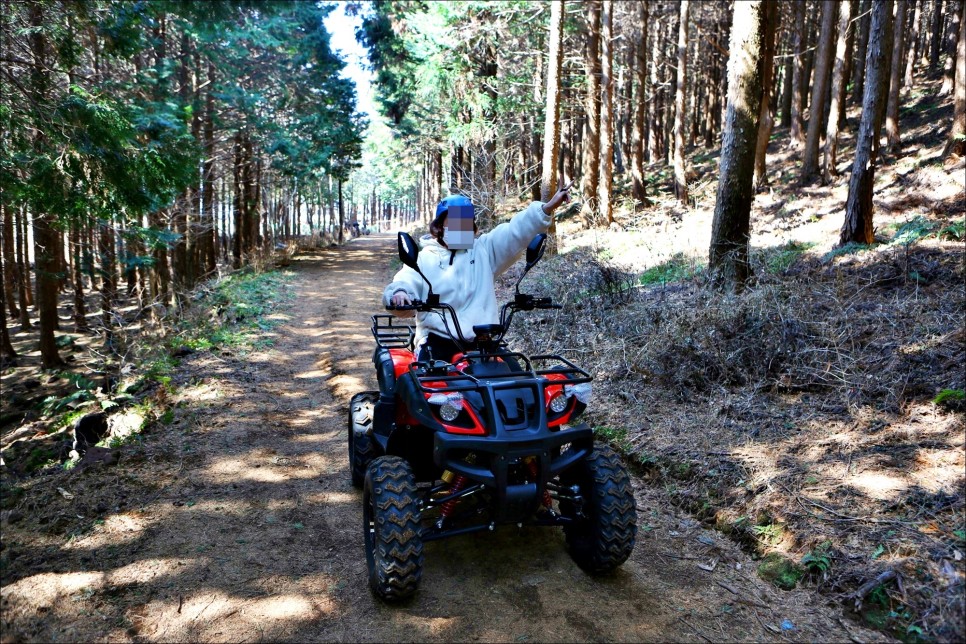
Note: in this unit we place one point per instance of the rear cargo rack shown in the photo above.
(390, 335)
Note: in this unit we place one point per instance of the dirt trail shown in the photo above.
(237, 522)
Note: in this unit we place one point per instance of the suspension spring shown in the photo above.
(447, 508)
(532, 468)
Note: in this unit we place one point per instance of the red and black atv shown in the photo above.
(487, 438)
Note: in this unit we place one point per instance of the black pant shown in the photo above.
(445, 348)
(442, 348)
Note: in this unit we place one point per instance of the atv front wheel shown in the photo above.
(362, 448)
(602, 535)
(394, 544)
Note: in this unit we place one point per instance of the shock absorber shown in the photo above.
(532, 468)
(447, 508)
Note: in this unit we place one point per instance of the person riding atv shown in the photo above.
(462, 268)
(465, 435)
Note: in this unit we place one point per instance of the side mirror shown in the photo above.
(409, 251)
(535, 250)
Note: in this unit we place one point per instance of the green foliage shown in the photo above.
(616, 436)
(955, 231)
(676, 269)
(950, 398)
(769, 533)
(912, 231)
(818, 560)
(242, 302)
(850, 248)
(780, 571)
(778, 260)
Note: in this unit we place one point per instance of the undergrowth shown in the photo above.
(859, 337)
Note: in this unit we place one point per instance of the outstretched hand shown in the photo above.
(560, 197)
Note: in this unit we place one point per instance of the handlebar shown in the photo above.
(522, 302)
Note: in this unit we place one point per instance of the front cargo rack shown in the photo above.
(390, 335)
(462, 381)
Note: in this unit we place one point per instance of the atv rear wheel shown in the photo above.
(362, 448)
(393, 539)
(602, 535)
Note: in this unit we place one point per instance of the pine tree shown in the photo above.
(730, 230)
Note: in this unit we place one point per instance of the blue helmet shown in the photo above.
(459, 201)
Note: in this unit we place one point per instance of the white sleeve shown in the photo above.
(508, 240)
(406, 280)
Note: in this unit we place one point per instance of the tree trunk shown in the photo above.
(6, 348)
(858, 208)
(341, 215)
(46, 236)
(23, 270)
(108, 281)
(209, 228)
(605, 183)
(956, 146)
(788, 73)
(765, 119)
(638, 187)
(895, 82)
(238, 189)
(728, 255)
(551, 124)
(80, 309)
(913, 48)
(935, 43)
(680, 168)
(849, 63)
(653, 114)
(858, 71)
(9, 260)
(795, 136)
(952, 39)
(838, 91)
(590, 164)
(819, 90)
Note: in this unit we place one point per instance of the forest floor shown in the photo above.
(236, 520)
(792, 435)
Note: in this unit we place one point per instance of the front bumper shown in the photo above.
(490, 460)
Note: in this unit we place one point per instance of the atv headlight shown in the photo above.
(558, 404)
(581, 392)
(450, 404)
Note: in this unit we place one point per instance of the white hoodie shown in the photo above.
(464, 279)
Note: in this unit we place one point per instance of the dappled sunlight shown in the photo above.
(305, 419)
(216, 615)
(289, 607)
(315, 374)
(145, 570)
(46, 589)
(344, 384)
(242, 470)
(328, 498)
(116, 530)
(310, 438)
(878, 485)
(939, 470)
(421, 626)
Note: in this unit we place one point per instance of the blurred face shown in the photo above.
(458, 230)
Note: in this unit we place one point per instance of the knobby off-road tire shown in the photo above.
(394, 544)
(362, 447)
(604, 537)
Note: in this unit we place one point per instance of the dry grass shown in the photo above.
(800, 416)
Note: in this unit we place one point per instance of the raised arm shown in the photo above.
(509, 239)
